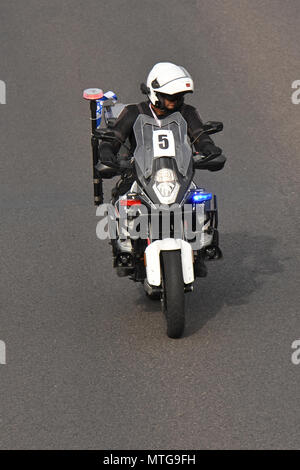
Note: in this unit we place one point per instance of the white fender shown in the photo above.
(152, 253)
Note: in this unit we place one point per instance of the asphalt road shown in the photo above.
(89, 364)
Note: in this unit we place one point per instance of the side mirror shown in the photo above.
(212, 127)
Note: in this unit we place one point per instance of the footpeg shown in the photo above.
(151, 289)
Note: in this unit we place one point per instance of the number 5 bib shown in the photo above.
(163, 143)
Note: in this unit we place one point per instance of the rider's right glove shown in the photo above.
(106, 153)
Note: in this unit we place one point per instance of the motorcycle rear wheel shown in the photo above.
(172, 297)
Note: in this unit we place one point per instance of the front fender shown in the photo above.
(152, 253)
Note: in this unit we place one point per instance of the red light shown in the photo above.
(130, 202)
(93, 94)
(187, 84)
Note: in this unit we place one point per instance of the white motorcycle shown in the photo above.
(164, 227)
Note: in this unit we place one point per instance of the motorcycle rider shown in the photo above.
(166, 86)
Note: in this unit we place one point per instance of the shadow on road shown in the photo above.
(230, 281)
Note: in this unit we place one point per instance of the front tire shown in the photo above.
(173, 292)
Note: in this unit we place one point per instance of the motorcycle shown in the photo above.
(164, 227)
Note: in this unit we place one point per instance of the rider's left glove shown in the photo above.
(211, 149)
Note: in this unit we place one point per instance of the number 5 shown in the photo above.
(163, 138)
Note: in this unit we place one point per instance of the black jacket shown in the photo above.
(123, 128)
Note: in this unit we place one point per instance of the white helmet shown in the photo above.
(168, 79)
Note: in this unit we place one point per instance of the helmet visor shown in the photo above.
(175, 97)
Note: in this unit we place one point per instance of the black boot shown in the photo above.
(214, 251)
(200, 269)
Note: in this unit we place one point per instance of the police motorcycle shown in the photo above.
(179, 219)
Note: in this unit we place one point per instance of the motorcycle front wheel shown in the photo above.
(172, 296)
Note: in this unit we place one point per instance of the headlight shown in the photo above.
(166, 189)
(165, 176)
(166, 186)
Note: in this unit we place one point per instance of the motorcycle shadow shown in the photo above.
(232, 280)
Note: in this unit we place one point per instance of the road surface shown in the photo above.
(88, 362)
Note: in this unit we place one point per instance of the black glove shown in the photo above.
(106, 153)
(211, 163)
(217, 163)
(210, 149)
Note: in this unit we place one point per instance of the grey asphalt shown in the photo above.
(89, 364)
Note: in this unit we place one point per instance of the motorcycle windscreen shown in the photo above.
(169, 139)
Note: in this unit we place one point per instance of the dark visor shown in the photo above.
(175, 97)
